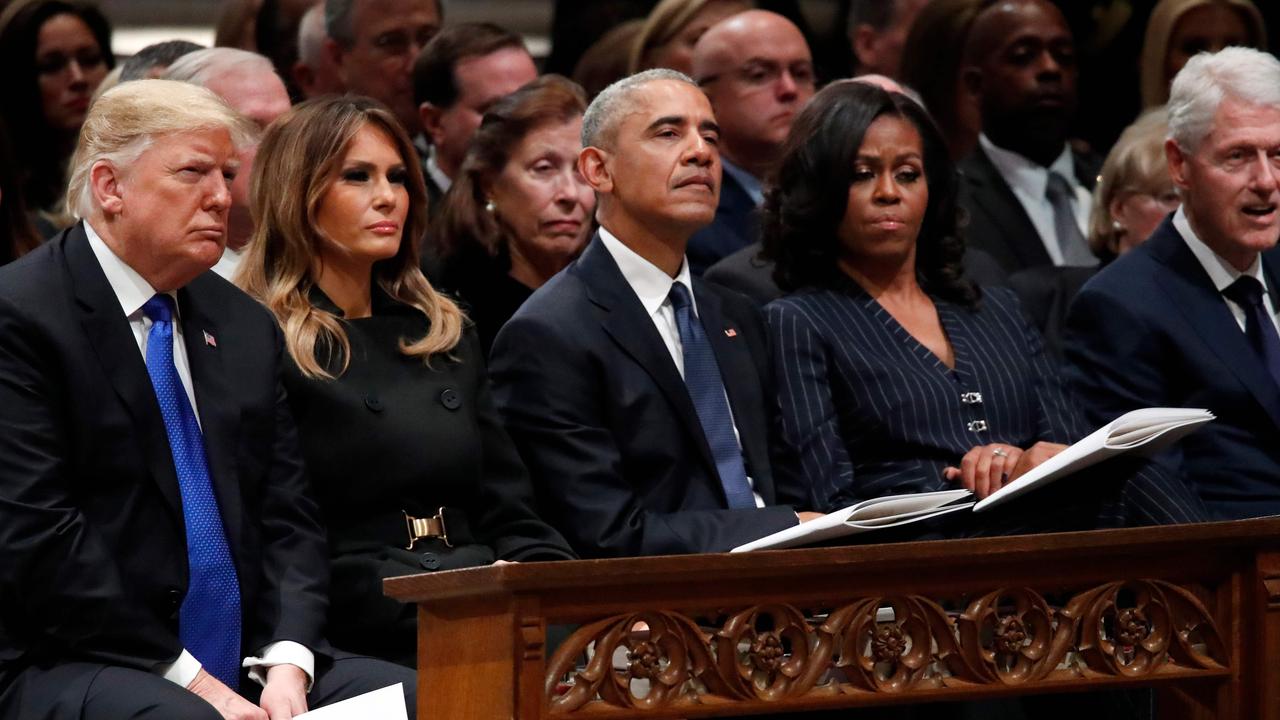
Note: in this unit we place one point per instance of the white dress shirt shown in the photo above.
(442, 181)
(1223, 273)
(653, 287)
(133, 291)
(229, 263)
(1029, 180)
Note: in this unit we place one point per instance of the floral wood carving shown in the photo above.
(775, 652)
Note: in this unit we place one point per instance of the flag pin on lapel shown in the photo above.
(210, 340)
(728, 332)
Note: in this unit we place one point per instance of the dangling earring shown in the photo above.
(489, 207)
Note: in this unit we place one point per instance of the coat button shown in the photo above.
(450, 400)
(173, 598)
(430, 561)
(373, 403)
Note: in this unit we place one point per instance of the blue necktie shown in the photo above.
(706, 389)
(209, 620)
(1258, 326)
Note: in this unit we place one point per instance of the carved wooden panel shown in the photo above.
(774, 653)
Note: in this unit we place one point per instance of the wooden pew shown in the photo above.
(1192, 610)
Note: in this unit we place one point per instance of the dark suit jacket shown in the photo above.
(998, 224)
(605, 423)
(871, 411)
(1151, 330)
(91, 526)
(1046, 292)
(734, 228)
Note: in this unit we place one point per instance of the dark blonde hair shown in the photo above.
(299, 159)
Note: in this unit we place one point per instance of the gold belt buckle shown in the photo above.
(432, 527)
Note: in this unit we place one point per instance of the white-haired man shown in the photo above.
(163, 558)
(249, 84)
(1189, 317)
(314, 72)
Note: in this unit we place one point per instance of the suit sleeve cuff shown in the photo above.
(282, 652)
(181, 671)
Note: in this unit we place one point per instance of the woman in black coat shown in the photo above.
(410, 463)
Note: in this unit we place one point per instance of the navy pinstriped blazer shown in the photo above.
(870, 411)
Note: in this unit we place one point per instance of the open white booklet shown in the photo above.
(1145, 431)
(384, 704)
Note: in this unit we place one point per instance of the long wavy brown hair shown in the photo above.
(299, 159)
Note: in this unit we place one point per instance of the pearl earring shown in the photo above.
(489, 207)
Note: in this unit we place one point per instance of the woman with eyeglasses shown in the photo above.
(54, 54)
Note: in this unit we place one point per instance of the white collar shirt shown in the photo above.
(1221, 272)
(1029, 181)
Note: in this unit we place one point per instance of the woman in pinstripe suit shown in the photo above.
(896, 374)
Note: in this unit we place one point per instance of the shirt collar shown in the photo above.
(649, 282)
(437, 175)
(1221, 272)
(130, 289)
(749, 182)
(1024, 174)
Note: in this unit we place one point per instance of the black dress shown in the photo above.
(484, 287)
(392, 435)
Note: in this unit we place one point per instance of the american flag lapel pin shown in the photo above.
(210, 340)
(730, 332)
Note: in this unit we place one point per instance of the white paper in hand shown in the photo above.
(384, 704)
(1143, 432)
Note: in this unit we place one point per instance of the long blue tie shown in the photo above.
(1258, 326)
(209, 620)
(706, 389)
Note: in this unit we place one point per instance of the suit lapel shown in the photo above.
(219, 417)
(996, 198)
(627, 324)
(113, 341)
(1193, 293)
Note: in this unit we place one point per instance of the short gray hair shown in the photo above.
(1241, 74)
(311, 34)
(124, 122)
(201, 66)
(600, 121)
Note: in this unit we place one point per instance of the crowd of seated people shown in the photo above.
(360, 293)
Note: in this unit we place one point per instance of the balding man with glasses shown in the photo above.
(756, 70)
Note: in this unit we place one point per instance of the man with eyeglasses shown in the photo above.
(756, 69)
(373, 44)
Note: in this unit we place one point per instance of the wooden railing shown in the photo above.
(1193, 611)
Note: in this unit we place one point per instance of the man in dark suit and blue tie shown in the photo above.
(1189, 317)
(639, 397)
(162, 555)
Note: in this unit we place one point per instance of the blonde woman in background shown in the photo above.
(404, 448)
(1134, 191)
(673, 28)
(1178, 29)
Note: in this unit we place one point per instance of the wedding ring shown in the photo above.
(1000, 452)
